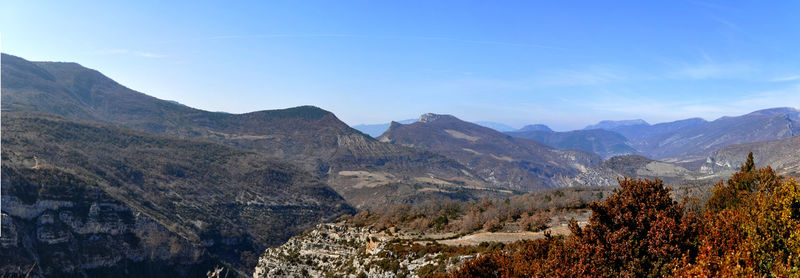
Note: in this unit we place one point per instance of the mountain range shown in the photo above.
(502, 160)
(692, 140)
(599, 141)
(142, 186)
(319, 165)
(307, 136)
(376, 130)
(688, 142)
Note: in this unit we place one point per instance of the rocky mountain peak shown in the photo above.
(394, 124)
(431, 117)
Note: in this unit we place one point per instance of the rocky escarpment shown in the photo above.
(337, 250)
(58, 224)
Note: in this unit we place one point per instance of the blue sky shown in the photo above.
(566, 64)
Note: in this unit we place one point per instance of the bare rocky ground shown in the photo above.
(340, 250)
(557, 226)
(336, 250)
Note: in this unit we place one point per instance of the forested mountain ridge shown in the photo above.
(356, 165)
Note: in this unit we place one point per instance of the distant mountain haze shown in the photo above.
(602, 142)
(376, 130)
(640, 134)
(501, 127)
(535, 127)
(616, 124)
(692, 140)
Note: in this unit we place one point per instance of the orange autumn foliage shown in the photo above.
(636, 232)
(750, 228)
(756, 234)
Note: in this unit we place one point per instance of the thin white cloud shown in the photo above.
(713, 71)
(654, 109)
(713, 6)
(122, 51)
(786, 78)
(371, 37)
(726, 23)
(149, 54)
(589, 76)
(787, 96)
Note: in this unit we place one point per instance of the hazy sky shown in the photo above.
(562, 63)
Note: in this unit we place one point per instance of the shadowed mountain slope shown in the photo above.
(87, 198)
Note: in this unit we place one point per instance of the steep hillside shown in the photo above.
(602, 142)
(505, 161)
(93, 198)
(308, 136)
(782, 155)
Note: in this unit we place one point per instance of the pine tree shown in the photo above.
(749, 165)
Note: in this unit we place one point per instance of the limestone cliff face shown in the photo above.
(72, 228)
(337, 250)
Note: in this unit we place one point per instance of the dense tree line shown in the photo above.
(750, 226)
(528, 212)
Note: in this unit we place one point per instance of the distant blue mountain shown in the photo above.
(535, 127)
(496, 126)
(376, 130)
(608, 125)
